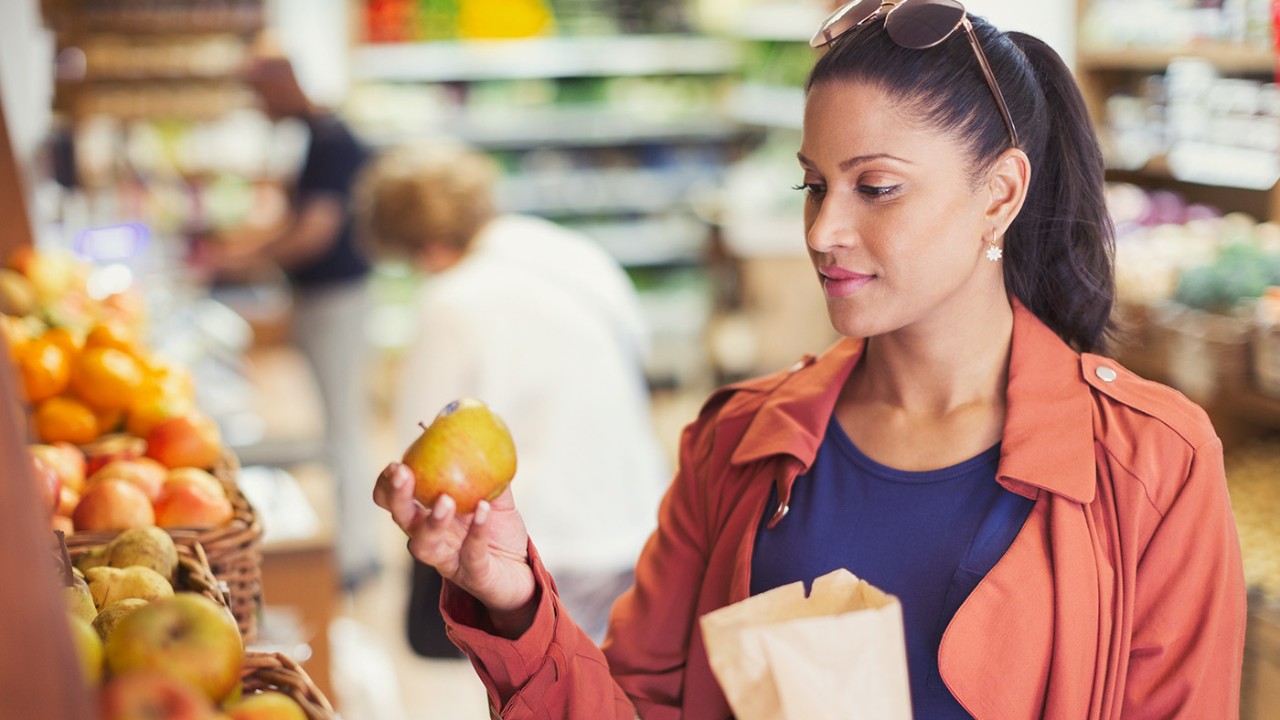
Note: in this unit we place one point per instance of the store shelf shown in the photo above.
(1202, 164)
(573, 127)
(545, 58)
(767, 105)
(779, 23)
(1228, 59)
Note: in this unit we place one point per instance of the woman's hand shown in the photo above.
(484, 553)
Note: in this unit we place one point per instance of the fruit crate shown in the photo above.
(274, 671)
(234, 550)
(1266, 359)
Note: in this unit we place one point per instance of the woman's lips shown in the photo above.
(839, 282)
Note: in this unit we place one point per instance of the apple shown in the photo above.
(191, 440)
(187, 637)
(192, 497)
(113, 504)
(465, 453)
(149, 475)
(63, 523)
(108, 448)
(66, 459)
(153, 406)
(67, 501)
(48, 482)
(147, 695)
(268, 705)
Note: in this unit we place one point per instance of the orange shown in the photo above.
(112, 333)
(45, 368)
(106, 378)
(65, 419)
(64, 339)
(171, 379)
(153, 404)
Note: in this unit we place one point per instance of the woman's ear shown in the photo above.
(1007, 186)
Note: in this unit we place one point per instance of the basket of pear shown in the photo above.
(162, 642)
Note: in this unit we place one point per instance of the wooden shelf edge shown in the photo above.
(1231, 59)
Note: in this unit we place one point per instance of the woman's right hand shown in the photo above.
(485, 553)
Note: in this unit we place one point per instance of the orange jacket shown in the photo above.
(1122, 596)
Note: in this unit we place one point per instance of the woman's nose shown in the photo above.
(828, 226)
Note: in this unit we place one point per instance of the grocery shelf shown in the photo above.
(572, 127)
(558, 57)
(1228, 59)
(768, 105)
(779, 23)
(1221, 166)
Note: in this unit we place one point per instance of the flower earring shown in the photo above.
(994, 253)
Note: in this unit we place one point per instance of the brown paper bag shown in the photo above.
(839, 653)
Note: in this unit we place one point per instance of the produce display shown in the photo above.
(466, 452)
(121, 443)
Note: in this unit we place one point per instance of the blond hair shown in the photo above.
(424, 193)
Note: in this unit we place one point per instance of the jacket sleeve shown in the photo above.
(1190, 606)
(555, 672)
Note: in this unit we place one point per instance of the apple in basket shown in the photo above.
(187, 637)
(191, 440)
(192, 497)
(466, 453)
(146, 694)
(113, 504)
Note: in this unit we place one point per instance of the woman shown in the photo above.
(963, 446)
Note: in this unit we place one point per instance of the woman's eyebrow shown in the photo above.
(846, 165)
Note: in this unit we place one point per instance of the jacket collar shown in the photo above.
(1048, 431)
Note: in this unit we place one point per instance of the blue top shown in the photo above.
(333, 162)
(926, 537)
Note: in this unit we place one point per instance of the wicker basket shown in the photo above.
(273, 671)
(1206, 353)
(234, 550)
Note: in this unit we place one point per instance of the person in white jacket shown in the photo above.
(543, 325)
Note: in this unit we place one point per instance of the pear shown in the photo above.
(97, 557)
(79, 599)
(113, 613)
(148, 547)
(108, 584)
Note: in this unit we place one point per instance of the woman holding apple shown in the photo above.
(964, 445)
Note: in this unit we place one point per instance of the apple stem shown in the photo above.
(422, 424)
(66, 558)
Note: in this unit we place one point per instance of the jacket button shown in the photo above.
(1105, 374)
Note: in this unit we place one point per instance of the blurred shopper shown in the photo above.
(543, 325)
(1057, 529)
(316, 250)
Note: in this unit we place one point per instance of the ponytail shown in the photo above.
(1059, 250)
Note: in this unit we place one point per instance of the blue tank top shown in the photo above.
(926, 537)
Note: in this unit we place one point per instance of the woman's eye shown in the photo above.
(813, 190)
(878, 191)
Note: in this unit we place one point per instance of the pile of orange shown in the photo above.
(81, 388)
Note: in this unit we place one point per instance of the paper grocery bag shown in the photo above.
(839, 653)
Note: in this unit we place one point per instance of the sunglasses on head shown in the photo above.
(914, 24)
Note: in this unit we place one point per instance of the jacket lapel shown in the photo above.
(1035, 614)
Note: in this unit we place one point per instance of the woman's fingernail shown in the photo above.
(482, 512)
(441, 508)
(399, 480)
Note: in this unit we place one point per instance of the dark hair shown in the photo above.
(1059, 250)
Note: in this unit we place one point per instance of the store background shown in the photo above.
(682, 167)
